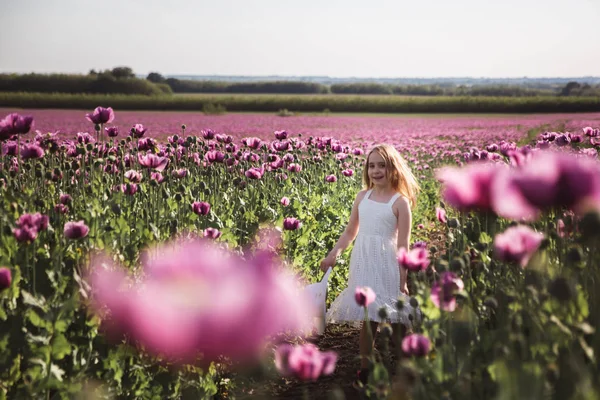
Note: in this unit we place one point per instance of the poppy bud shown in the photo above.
(183, 126)
(574, 255)
(414, 303)
(457, 265)
(89, 147)
(400, 304)
(560, 289)
(97, 127)
(453, 223)
(383, 314)
(590, 225)
(178, 197)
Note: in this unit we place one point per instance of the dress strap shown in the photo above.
(393, 199)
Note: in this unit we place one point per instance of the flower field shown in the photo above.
(162, 255)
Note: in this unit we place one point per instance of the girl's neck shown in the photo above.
(383, 190)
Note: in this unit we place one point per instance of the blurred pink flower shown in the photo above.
(285, 201)
(212, 233)
(112, 131)
(549, 180)
(254, 173)
(5, 278)
(252, 142)
(517, 244)
(468, 188)
(443, 291)
(281, 135)
(416, 345)
(291, 224)
(133, 176)
(348, 172)
(330, 178)
(138, 130)
(440, 214)
(194, 300)
(32, 151)
(364, 296)
(304, 362)
(414, 260)
(76, 230)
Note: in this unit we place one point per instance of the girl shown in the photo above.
(383, 212)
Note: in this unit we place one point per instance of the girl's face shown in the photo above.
(377, 170)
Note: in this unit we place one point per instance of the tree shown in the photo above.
(155, 77)
(122, 72)
(569, 88)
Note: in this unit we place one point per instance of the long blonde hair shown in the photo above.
(401, 177)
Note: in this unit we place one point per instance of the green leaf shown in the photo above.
(38, 302)
(485, 238)
(60, 347)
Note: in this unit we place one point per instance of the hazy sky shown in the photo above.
(342, 38)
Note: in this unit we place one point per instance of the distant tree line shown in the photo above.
(122, 80)
(119, 80)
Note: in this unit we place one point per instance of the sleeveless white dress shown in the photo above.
(373, 263)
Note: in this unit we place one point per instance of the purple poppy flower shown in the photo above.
(281, 146)
(145, 144)
(252, 142)
(364, 296)
(291, 224)
(285, 201)
(212, 233)
(153, 161)
(112, 131)
(414, 260)
(201, 207)
(65, 199)
(420, 245)
(133, 176)
(254, 173)
(207, 134)
(294, 167)
(304, 362)
(443, 291)
(416, 345)
(61, 208)
(76, 230)
(156, 176)
(101, 115)
(517, 244)
(5, 278)
(330, 178)
(548, 180)
(32, 150)
(281, 135)
(15, 124)
(180, 173)
(348, 172)
(138, 130)
(358, 152)
(214, 156)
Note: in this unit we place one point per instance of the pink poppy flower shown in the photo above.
(330, 178)
(201, 207)
(416, 345)
(5, 278)
(364, 296)
(212, 233)
(443, 291)
(304, 362)
(440, 214)
(415, 260)
(76, 230)
(285, 201)
(291, 224)
(468, 188)
(101, 115)
(153, 161)
(517, 244)
(194, 300)
(254, 173)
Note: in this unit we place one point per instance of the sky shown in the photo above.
(337, 38)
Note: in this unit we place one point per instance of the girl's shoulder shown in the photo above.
(361, 195)
(401, 205)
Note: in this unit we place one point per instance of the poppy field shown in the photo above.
(162, 256)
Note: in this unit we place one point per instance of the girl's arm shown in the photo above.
(347, 237)
(404, 218)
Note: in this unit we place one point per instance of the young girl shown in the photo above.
(383, 212)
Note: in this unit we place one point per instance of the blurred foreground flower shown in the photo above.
(443, 292)
(5, 278)
(364, 296)
(414, 260)
(517, 244)
(304, 362)
(416, 345)
(197, 302)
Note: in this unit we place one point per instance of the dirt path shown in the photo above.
(341, 339)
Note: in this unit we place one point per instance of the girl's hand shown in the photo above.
(404, 290)
(327, 262)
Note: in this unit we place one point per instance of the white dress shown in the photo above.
(373, 263)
